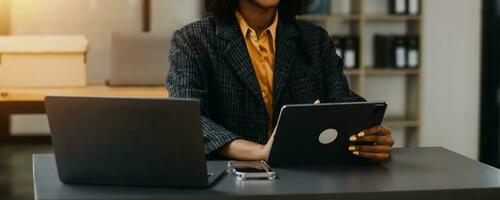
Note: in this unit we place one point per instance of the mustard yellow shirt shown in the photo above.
(262, 52)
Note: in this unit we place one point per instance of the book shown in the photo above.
(413, 7)
(346, 48)
(413, 51)
(351, 52)
(390, 51)
(397, 7)
(399, 52)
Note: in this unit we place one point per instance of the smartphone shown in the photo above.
(246, 170)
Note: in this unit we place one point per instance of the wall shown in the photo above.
(91, 18)
(168, 16)
(451, 75)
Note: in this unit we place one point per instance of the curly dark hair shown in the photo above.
(226, 8)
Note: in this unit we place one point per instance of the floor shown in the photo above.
(16, 177)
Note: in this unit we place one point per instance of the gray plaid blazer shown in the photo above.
(210, 62)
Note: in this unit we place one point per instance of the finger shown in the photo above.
(377, 130)
(383, 140)
(371, 148)
(374, 156)
(317, 102)
(370, 138)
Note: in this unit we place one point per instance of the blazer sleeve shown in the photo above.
(335, 84)
(185, 79)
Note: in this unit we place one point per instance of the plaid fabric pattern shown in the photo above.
(210, 63)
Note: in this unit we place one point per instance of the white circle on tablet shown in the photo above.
(328, 136)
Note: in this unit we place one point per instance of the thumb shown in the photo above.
(317, 102)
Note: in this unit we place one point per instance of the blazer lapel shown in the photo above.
(286, 54)
(236, 53)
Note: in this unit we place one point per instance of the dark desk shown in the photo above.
(415, 173)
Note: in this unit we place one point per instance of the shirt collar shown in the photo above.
(244, 27)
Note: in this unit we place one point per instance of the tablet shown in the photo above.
(311, 134)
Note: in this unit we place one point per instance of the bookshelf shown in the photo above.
(369, 17)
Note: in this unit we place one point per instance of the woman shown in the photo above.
(248, 60)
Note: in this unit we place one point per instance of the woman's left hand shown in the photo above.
(381, 137)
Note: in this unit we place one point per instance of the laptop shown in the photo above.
(129, 141)
(319, 134)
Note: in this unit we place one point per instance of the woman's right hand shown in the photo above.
(266, 149)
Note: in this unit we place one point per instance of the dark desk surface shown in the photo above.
(412, 173)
